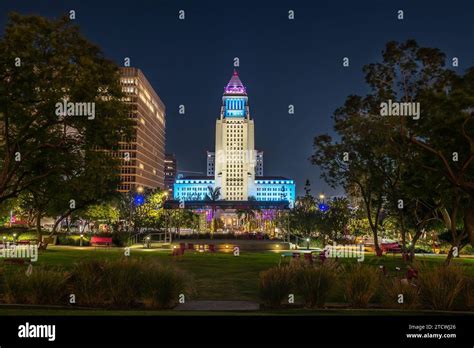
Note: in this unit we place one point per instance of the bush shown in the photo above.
(392, 288)
(162, 286)
(315, 283)
(127, 283)
(123, 280)
(120, 239)
(275, 285)
(440, 286)
(74, 240)
(469, 294)
(43, 286)
(86, 282)
(361, 284)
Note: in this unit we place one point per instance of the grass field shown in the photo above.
(220, 276)
(216, 276)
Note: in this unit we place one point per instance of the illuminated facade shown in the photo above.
(171, 168)
(235, 166)
(142, 159)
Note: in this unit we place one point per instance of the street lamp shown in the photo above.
(140, 189)
(307, 243)
(148, 242)
(80, 242)
(322, 196)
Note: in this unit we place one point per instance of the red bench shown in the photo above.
(101, 241)
(391, 248)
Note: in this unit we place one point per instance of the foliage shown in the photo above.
(315, 283)
(43, 286)
(361, 284)
(163, 285)
(127, 283)
(440, 286)
(60, 170)
(377, 159)
(393, 288)
(275, 285)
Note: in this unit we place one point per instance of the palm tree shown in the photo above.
(213, 195)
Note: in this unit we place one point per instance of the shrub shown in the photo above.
(361, 284)
(393, 288)
(315, 283)
(74, 240)
(123, 280)
(43, 286)
(440, 286)
(86, 282)
(469, 294)
(275, 285)
(120, 239)
(162, 285)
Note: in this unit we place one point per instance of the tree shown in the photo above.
(374, 154)
(213, 196)
(333, 222)
(56, 63)
(304, 216)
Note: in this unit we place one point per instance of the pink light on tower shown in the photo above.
(235, 86)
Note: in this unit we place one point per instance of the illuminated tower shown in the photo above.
(235, 148)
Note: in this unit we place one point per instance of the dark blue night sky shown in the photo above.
(282, 62)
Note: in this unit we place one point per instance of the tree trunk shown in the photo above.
(38, 227)
(413, 243)
(469, 220)
(451, 253)
(378, 251)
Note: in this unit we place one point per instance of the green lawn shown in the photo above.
(220, 276)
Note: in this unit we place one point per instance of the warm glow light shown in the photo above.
(82, 235)
(278, 245)
(307, 239)
(174, 246)
(139, 189)
(227, 247)
(321, 196)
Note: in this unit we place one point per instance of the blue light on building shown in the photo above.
(267, 189)
(235, 106)
(275, 189)
(192, 188)
(323, 207)
(138, 200)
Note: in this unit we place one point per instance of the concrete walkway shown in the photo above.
(218, 306)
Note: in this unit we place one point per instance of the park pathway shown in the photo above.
(218, 306)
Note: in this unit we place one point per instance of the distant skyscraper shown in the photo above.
(142, 159)
(259, 164)
(171, 168)
(211, 162)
